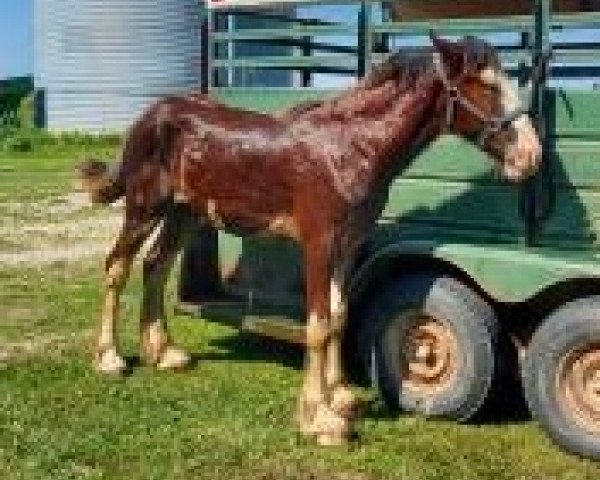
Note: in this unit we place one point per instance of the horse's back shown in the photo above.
(203, 108)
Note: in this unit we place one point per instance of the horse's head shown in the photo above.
(481, 104)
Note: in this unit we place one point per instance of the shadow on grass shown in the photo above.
(247, 347)
(505, 405)
(242, 347)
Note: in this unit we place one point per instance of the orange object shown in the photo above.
(419, 10)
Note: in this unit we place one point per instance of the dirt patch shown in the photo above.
(34, 345)
(67, 204)
(55, 205)
(60, 229)
(44, 256)
(15, 214)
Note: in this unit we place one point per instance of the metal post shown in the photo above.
(365, 39)
(383, 44)
(542, 48)
(40, 117)
(522, 69)
(205, 53)
(306, 52)
(230, 50)
(536, 197)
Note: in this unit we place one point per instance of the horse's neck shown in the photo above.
(391, 136)
(377, 131)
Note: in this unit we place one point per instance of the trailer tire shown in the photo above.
(561, 376)
(430, 345)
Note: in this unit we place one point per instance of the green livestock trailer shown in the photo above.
(467, 282)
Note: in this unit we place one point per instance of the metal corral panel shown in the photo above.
(102, 61)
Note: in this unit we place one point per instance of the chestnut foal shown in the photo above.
(319, 176)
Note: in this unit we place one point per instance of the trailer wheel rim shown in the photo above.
(578, 386)
(430, 355)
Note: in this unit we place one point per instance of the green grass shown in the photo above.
(27, 141)
(48, 171)
(230, 416)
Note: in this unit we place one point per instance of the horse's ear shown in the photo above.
(452, 53)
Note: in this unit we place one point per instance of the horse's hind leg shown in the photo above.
(157, 348)
(118, 263)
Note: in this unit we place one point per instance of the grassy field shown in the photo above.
(227, 417)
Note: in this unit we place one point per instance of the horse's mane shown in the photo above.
(406, 66)
(412, 63)
(406, 69)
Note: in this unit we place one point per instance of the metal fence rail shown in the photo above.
(315, 52)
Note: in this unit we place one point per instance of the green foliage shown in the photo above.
(13, 91)
(18, 137)
(40, 143)
(25, 112)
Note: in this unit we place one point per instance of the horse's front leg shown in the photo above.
(118, 264)
(341, 397)
(315, 415)
(157, 348)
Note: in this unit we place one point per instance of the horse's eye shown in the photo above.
(494, 88)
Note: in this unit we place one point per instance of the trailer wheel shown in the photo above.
(431, 346)
(561, 376)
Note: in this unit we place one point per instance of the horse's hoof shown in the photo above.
(173, 359)
(307, 427)
(306, 412)
(343, 402)
(332, 439)
(109, 362)
(329, 428)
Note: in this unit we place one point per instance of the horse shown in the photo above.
(319, 175)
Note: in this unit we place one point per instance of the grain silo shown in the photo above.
(99, 62)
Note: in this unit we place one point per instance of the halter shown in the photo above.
(491, 125)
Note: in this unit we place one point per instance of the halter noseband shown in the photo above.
(491, 125)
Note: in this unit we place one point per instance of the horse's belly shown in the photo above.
(244, 218)
(242, 204)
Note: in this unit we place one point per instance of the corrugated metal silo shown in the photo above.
(101, 61)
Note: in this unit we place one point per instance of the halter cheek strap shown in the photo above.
(491, 125)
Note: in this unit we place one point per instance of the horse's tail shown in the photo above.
(106, 184)
(103, 183)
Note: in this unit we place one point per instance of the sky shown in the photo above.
(16, 37)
